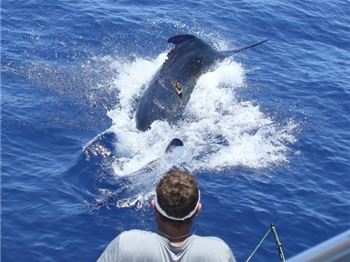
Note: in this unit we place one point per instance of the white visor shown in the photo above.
(160, 210)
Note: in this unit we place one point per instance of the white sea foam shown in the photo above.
(218, 130)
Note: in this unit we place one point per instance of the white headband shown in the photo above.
(160, 210)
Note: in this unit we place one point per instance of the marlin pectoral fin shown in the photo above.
(178, 39)
(235, 51)
(175, 142)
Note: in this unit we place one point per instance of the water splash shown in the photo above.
(217, 128)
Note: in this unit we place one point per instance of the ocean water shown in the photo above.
(266, 132)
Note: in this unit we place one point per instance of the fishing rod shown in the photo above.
(278, 244)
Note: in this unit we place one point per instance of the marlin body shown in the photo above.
(172, 86)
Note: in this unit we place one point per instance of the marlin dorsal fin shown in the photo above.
(178, 39)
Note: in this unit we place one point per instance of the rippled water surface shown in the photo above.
(266, 132)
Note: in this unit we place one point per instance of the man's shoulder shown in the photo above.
(128, 245)
(210, 240)
(136, 236)
(135, 233)
(212, 247)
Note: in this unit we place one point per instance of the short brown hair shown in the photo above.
(177, 193)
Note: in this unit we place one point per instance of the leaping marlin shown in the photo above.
(172, 86)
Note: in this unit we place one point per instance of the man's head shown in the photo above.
(177, 198)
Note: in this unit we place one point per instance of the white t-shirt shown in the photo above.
(138, 245)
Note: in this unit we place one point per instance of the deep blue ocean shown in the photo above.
(266, 132)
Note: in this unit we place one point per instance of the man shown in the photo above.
(176, 204)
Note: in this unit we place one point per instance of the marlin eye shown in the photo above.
(178, 87)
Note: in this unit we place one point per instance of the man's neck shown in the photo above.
(173, 234)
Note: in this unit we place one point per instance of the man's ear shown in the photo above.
(199, 208)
